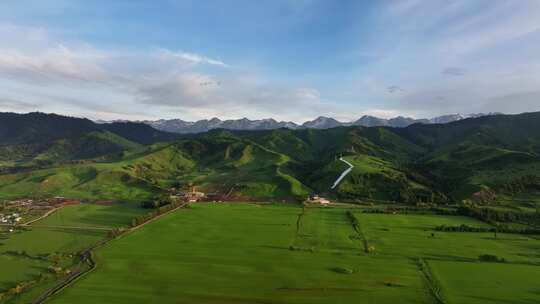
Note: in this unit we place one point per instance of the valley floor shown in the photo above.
(262, 253)
(27, 254)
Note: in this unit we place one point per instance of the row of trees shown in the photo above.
(356, 226)
(160, 205)
(160, 201)
(522, 184)
(499, 228)
(494, 216)
(421, 209)
(141, 219)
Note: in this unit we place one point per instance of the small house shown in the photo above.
(193, 196)
(316, 199)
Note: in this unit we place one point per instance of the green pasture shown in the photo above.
(411, 236)
(93, 215)
(486, 283)
(247, 253)
(241, 253)
(25, 253)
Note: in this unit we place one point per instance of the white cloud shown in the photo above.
(492, 46)
(413, 46)
(81, 78)
(52, 64)
(17, 105)
(307, 93)
(186, 90)
(190, 57)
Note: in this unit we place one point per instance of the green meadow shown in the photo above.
(262, 253)
(466, 282)
(27, 253)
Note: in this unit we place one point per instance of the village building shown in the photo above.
(10, 218)
(193, 196)
(316, 199)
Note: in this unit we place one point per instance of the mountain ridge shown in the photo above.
(322, 122)
(39, 139)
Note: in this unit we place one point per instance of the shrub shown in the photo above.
(149, 204)
(490, 258)
(343, 270)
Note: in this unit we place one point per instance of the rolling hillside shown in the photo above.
(38, 139)
(486, 159)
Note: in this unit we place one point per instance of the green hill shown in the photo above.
(487, 159)
(38, 139)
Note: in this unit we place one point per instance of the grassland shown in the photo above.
(26, 254)
(483, 283)
(240, 253)
(247, 253)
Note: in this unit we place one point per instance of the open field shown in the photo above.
(410, 236)
(26, 254)
(464, 282)
(246, 253)
(239, 253)
(92, 215)
(453, 257)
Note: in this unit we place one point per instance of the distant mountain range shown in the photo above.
(185, 127)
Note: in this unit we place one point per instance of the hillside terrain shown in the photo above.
(485, 159)
(38, 139)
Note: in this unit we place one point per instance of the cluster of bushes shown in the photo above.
(343, 270)
(498, 228)
(22, 286)
(295, 248)
(55, 269)
(56, 258)
(491, 258)
(413, 210)
(158, 202)
(24, 254)
(141, 219)
(522, 184)
(146, 217)
(464, 228)
(354, 221)
(116, 232)
(356, 226)
(494, 216)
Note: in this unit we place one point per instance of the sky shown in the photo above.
(291, 60)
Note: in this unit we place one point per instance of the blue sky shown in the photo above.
(291, 59)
